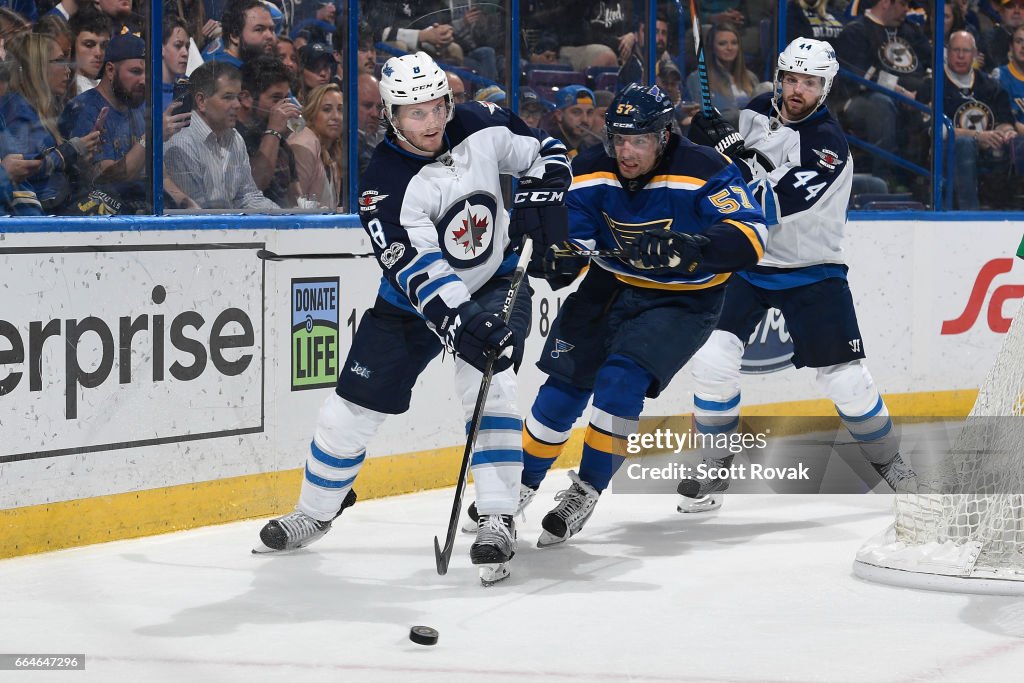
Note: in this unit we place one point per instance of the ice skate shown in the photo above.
(575, 505)
(495, 545)
(898, 475)
(526, 495)
(704, 494)
(296, 530)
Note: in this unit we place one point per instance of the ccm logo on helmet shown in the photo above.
(422, 87)
(539, 196)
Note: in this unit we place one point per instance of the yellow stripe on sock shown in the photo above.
(600, 441)
(539, 449)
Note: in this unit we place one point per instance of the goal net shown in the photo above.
(968, 535)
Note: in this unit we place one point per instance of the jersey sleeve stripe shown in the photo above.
(428, 290)
(595, 179)
(420, 263)
(753, 233)
(682, 182)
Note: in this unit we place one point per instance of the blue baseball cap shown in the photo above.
(125, 47)
(529, 99)
(572, 95)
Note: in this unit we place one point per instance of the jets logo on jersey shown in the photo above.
(369, 199)
(827, 158)
(466, 231)
(626, 234)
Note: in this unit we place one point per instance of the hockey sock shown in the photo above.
(497, 461)
(861, 409)
(619, 391)
(557, 407)
(716, 372)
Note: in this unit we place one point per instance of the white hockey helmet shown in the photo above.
(807, 56)
(411, 79)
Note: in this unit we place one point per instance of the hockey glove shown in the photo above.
(664, 249)
(476, 332)
(540, 214)
(560, 265)
(714, 131)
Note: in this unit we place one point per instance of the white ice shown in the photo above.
(761, 590)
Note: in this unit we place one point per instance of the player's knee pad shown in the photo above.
(620, 387)
(850, 387)
(345, 428)
(716, 366)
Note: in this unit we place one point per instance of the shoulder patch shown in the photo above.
(490, 106)
(827, 158)
(368, 200)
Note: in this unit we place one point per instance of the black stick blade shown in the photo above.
(267, 255)
(441, 557)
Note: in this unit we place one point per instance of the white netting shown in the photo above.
(974, 528)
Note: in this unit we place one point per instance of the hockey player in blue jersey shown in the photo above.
(684, 221)
(795, 155)
(432, 205)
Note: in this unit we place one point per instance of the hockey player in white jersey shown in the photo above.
(800, 169)
(432, 205)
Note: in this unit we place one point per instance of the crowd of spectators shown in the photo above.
(254, 111)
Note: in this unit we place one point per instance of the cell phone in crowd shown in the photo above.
(182, 93)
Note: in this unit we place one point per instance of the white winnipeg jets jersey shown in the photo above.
(439, 226)
(805, 196)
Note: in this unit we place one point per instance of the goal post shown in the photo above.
(968, 536)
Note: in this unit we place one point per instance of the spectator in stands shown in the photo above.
(811, 19)
(263, 123)
(723, 12)
(881, 46)
(91, 33)
(459, 94)
(590, 33)
(16, 197)
(319, 66)
(115, 107)
(668, 78)
(1011, 14)
(980, 112)
(732, 84)
(1011, 79)
(543, 49)
(602, 98)
(371, 131)
(399, 24)
(207, 160)
(366, 52)
(570, 122)
(27, 10)
(954, 20)
(289, 56)
(248, 33)
(480, 34)
(319, 149)
(174, 54)
(205, 32)
(123, 19)
(493, 94)
(532, 108)
(633, 51)
(39, 79)
(320, 27)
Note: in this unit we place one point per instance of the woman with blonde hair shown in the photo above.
(732, 84)
(40, 75)
(319, 148)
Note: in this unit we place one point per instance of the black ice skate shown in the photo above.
(495, 545)
(898, 475)
(526, 495)
(575, 505)
(704, 494)
(296, 530)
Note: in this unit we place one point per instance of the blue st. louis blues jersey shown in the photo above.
(439, 226)
(804, 196)
(693, 189)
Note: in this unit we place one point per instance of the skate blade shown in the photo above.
(707, 503)
(262, 549)
(548, 539)
(491, 574)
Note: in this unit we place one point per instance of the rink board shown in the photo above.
(166, 378)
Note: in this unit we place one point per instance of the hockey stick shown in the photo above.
(702, 66)
(606, 253)
(267, 255)
(444, 556)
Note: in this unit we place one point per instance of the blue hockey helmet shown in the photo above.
(636, 110)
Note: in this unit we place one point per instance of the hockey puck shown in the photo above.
(424, 635)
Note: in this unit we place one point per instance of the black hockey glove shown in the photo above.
(714, 131)
(540, 214)
(664, 249)
(560, 265)
(476, 332)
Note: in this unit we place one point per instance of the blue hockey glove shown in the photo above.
(540, 214)
(476, 332)
(664, 249)
(714, 131)
(559, 265)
